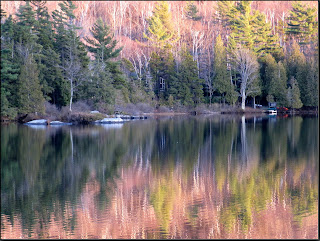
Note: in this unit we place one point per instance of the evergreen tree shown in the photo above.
(276, 81)
(302, 24)
(162, 35)
(191, 11)
(221, 79)
(225, 14)
(232, 95)
(102, 46)
(161, 30)
(6, 109)
(308, 82)
(30, 97)
(248, 28)
(264, 41)
(26, 34)
(10, 69)
(192, 91)
(99, 88)
(73, 55)
(293, 95)
(55, 87)
(296, 58)
(162, 66)
(300, 69)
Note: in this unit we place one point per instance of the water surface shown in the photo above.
(182, 177)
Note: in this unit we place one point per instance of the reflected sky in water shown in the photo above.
(178, 177)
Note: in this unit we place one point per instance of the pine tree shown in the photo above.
(6, 109)
(191, 11)
(55, 88)
(226, 13)
(162, 66)
(302, 24)
(276, 81)
(10, 68)
(248, 28)
(9, 77)
(264, 41)
(30, 97)
(221, 79)
(299, 68)
(26, 34)
(189, 79)
(161, 30)
(293, 95)
(308, 82)
(73, 55)
(102, 45)
(99, 88)
(103, 48)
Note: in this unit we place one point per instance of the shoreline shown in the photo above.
(247, 113)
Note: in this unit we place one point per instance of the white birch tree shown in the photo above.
(247, 66)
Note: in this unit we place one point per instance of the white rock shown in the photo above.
(59, 123)
(94, 112)
(37, 122)
(110, 120)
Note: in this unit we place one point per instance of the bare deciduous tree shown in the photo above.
(247, 66)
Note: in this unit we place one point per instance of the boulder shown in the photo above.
(59, 123)
(37, 122)
(94, 112)
(109, 120)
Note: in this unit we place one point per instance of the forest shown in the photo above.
(105, 55)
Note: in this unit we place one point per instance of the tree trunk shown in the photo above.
(71, 95)
(254, 102)
(243, 101)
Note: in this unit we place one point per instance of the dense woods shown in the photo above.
(108, 54)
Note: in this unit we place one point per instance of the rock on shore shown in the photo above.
(37, 122)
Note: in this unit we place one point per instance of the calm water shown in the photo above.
(182, 177)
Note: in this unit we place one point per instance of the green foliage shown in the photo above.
(305, 73)
(302, 24)
(247, 28)
(221, 80)
(161, 30)
(293, 95)
(162, 66)
(102, 45)
(191, 11)
(31, 99)
(6, 109)
(192, 85)
(99, 88)
(275, 80)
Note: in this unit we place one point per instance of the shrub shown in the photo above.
(52, 112)
(146, 108)
(81, 106)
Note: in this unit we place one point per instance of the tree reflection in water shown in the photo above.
(217, 177)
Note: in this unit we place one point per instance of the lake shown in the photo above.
(174, 177)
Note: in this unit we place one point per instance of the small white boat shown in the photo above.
(272, 111)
